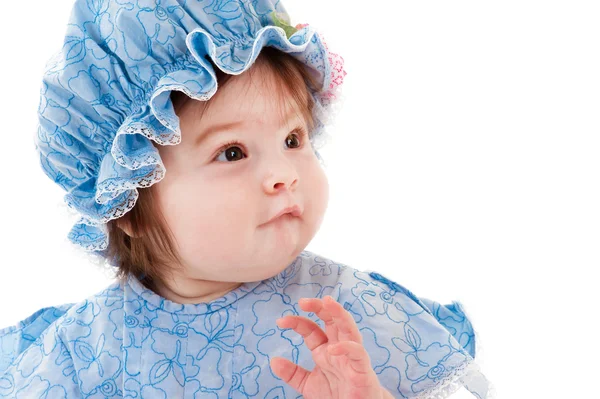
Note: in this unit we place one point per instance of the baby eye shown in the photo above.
(300, 133)
(299, 137)
(231, 150)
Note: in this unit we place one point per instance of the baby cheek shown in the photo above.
(212, 235)
(318, 194)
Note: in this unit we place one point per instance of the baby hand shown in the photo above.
(343, 367)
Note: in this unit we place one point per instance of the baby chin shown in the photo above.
(285, 235)
(279, 243)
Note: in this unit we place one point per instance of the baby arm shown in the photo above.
(343, 367)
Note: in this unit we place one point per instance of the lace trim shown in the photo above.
(111, 189)
(476, 383)
(114, 213)
(464, 375)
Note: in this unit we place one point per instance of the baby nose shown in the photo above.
(281, 175)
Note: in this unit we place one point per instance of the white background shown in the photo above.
(464, 165)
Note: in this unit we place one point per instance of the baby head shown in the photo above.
(180, 187)
(245, 155)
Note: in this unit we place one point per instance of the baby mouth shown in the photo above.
(287, 213)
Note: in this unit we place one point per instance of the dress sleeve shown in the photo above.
(453, 317)
(419, 348)
(15, 339)
(43, 370)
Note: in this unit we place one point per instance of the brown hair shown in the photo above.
(149, 252)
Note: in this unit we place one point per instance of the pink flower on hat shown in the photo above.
(337, 71)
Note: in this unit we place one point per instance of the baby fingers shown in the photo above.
(310, 331)
(356, 354)
(335, 316)
(290, 373)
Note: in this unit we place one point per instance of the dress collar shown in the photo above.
(155, 301)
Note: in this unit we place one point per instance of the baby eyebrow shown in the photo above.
(211, 130)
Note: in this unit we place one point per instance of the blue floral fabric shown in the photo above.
(128, 342)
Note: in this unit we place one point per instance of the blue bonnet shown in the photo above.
(105, 95)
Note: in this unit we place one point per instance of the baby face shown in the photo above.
(217, 201)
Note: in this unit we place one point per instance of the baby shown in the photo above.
(185, 135)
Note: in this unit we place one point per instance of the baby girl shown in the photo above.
(185, 134)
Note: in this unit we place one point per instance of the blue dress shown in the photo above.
(128, 342)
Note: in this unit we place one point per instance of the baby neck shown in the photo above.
(193, 291)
